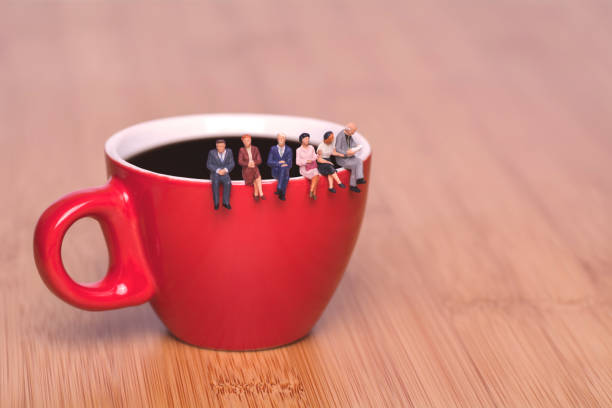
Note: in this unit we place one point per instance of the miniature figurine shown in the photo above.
(306, 158)
(347, 146)
(220, 162)
(249, 158)
(325, 151)
(280, 160)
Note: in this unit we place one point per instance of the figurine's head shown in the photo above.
(328, 137)
(246, 140)
(220, 145)
(350, 128)
(281, 138)
(304, 139)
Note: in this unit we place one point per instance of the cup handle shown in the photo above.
(128, 280)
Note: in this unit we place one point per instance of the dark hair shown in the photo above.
(328, 134)
(220, 141)
(303, 135)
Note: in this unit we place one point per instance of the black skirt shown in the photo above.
(326, 169)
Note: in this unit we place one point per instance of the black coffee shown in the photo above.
(188, 158)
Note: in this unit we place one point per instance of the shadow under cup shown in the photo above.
(255, 277)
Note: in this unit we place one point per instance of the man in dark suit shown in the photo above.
(220, 162)
(280, 160)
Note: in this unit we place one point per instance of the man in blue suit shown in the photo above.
(280, 159)
(220, 162)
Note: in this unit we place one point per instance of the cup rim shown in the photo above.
(158, 132)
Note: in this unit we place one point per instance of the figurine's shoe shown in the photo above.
(355, 189)
(333, 190)
(229, 207)
(342, 185)
(256, 198)
(361, 181)
(216, 206)
(277, 192)
(282, 197)
(262, 197)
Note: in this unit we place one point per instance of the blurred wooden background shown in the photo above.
(483, 273)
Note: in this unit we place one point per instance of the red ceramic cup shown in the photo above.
(255, 277)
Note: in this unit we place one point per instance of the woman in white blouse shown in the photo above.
(325, 151)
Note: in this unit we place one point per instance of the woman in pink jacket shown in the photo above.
(306, 158)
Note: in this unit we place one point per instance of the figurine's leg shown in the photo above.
(227, 188)
(215, 188)
(315, 183)
(284, 179)
(255, 188)
(353, 179)
(358, 168)
(355, 166)
(330, 180)
(282, 182)
(335, 177)
(347, 164)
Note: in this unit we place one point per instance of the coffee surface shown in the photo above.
(188, 158)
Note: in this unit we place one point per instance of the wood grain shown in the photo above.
(483, 273)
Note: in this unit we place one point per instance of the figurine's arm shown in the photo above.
(231, 164)
(289, 160)
(320, 158)
(335, 153)
(340, 144)
(299, 160)
(210, 165)
(271, 162)
(243, 159)
(256, 156)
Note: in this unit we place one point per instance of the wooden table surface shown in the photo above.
(483, 273)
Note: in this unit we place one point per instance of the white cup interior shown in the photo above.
(148, 135)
